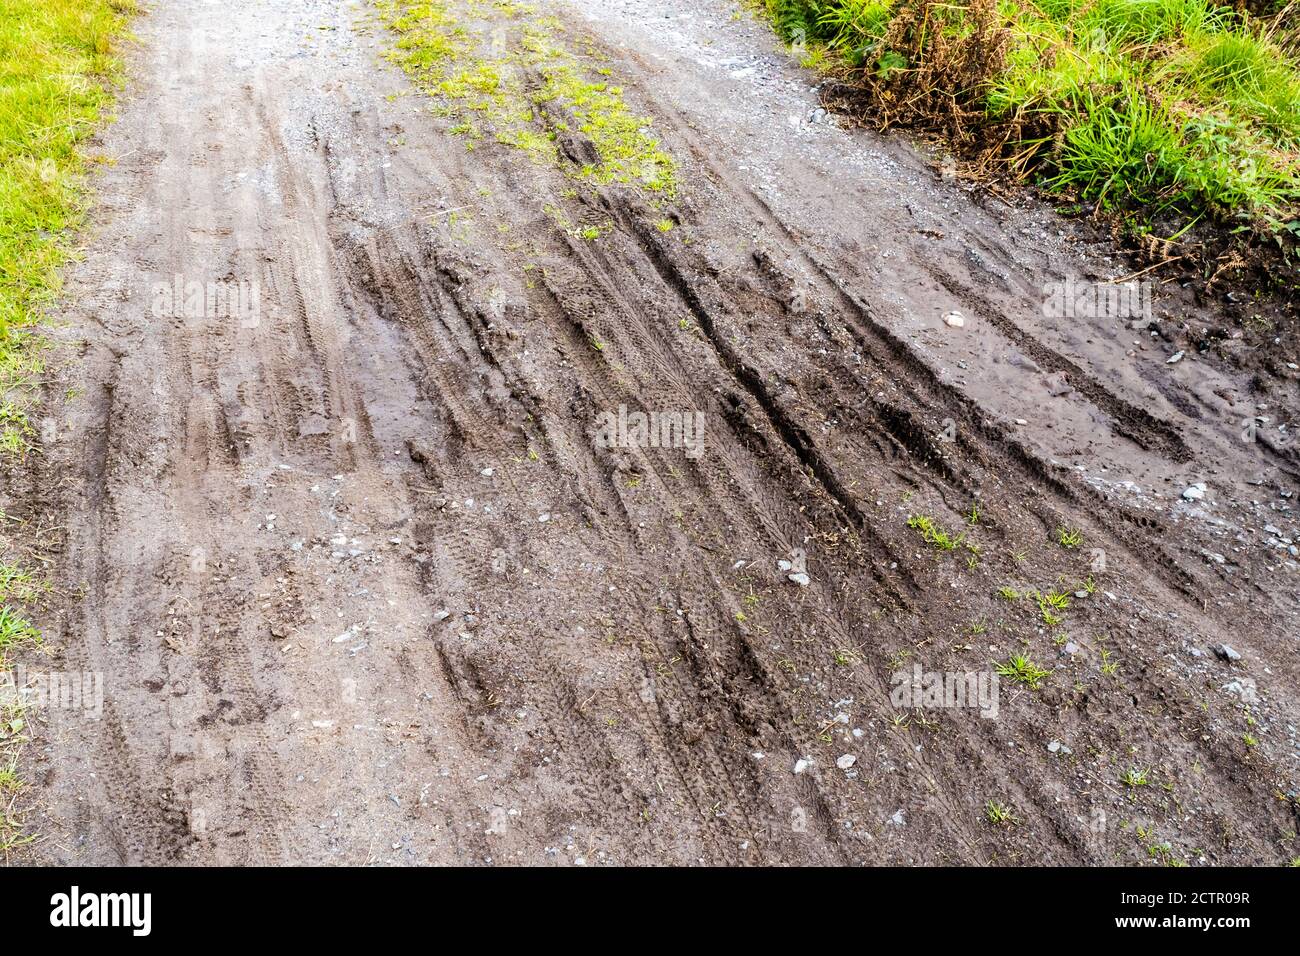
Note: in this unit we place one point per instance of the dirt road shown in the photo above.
(365, 587)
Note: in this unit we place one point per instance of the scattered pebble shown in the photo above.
(1227, 652)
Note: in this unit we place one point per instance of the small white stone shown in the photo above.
(846, 761)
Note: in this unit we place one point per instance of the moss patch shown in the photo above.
(499, 70)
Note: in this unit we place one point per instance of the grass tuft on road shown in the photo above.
(1161, 112)
(58, 68)
(502, 70)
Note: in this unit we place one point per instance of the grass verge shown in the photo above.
(58, 72)
(1160, 114)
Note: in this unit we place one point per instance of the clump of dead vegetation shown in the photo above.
(930, 74)
(1164, 116)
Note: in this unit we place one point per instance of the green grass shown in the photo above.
(15, 630)
(1134, 777)
(1051, 603)
(58, 72)
(501, 69)
(1168, 110)
(1069, 537)
(58, 68)
(934, 535)
(999, 814)
(1023, 671)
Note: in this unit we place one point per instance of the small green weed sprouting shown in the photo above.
(1134, 777)
(1050, 604)
(999, 814)
(1023, 671)
(846, 658)
(934, 535)
(1069, 537)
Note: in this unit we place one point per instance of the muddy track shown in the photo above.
(365, 588)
